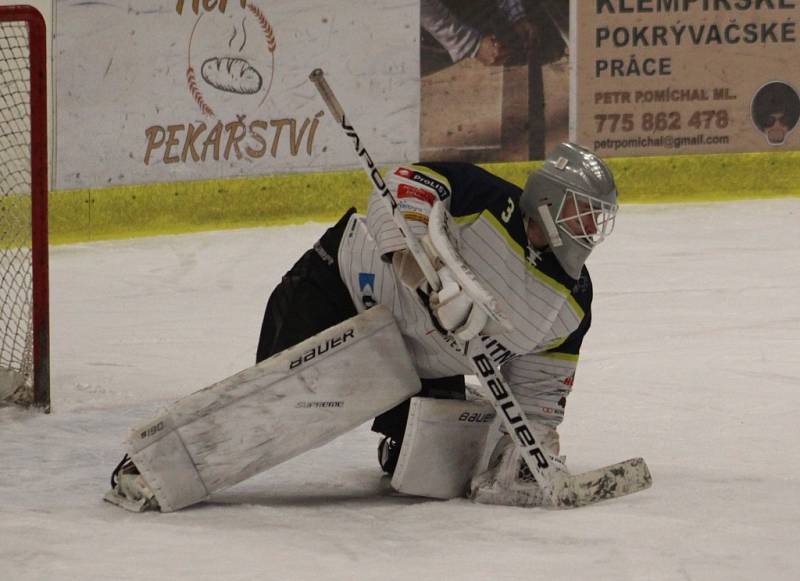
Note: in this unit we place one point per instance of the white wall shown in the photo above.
(126, 112)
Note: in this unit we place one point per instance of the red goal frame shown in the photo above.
(37, 47)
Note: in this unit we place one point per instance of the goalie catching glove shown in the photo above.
(455, 310)
(461, 306)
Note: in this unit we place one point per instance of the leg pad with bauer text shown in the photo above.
(299, 399)
(443, 447)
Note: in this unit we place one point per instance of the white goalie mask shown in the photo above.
(573, 199)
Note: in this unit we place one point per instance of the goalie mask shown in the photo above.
(573, 200)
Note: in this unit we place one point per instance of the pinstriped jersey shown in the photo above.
(550, 311)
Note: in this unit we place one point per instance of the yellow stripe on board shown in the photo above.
(155, 209)
(152, 209)
(690, 178)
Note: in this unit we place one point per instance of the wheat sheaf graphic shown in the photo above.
(196, 94)
(272, 44)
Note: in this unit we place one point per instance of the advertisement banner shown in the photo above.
(494, 79)
(172, 90)
(665, 77)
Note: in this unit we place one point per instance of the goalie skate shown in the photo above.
(129, 489)
(508, 480)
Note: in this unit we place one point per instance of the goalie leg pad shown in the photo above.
(442, 447)
(292, 402)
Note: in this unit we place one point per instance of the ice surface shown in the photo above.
(693, 362)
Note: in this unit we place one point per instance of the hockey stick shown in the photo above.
(561, 490)
(318, 78)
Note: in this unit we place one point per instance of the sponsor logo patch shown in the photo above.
(366, 284)
(406, 191)
(441, 189)
(532, 255)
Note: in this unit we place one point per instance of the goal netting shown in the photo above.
(23, 214)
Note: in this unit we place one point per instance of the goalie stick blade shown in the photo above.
(613, 481)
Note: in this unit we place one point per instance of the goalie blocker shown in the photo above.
(288, 404)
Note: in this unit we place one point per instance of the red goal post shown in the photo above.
(24, 302)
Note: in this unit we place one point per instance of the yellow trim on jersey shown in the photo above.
(562, 356)
(468, 219)
(538, 274)
(555, 344)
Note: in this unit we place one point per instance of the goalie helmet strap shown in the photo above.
(549, 226)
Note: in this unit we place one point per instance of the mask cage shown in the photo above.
(599, 214)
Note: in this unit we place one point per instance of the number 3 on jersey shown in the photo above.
(506, 216)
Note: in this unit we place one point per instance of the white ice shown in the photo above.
(693, 362)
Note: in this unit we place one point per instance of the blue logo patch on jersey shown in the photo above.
(366, 283)
(366, 280)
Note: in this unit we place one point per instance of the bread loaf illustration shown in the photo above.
(230, 74)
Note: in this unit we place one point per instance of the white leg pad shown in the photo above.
(442, 447)
(294, 401)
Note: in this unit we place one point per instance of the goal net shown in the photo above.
(24, 335)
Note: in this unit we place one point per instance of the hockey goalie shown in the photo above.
(354, 332)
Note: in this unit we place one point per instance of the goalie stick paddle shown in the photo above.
(561, 490)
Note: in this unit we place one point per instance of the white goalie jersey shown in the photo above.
(550, 310)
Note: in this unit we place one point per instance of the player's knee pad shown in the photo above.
(443, 446)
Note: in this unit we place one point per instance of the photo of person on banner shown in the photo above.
(478, 59)
(776, 110)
